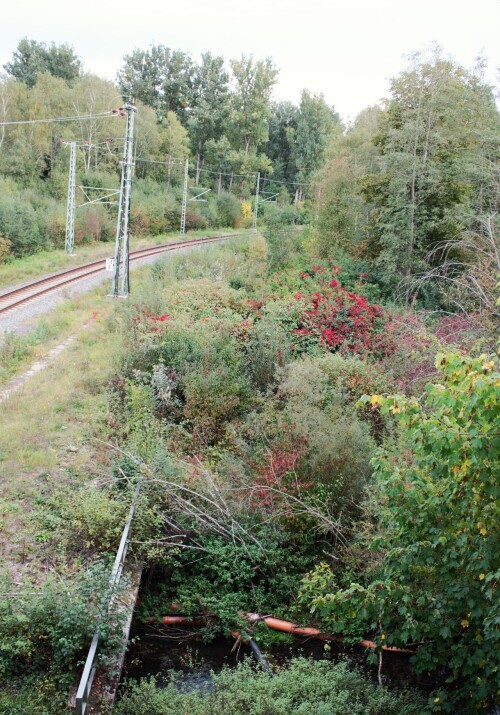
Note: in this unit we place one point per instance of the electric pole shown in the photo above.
(121, 263)
(184, 199)
(256, 207)
(70, 210)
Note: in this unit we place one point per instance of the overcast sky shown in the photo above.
(346, 49)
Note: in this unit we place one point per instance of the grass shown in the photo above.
(22, 270)
(48, 427)
(51, 427)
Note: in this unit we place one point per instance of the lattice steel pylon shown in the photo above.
(256, 207)
(71, 206)
(121, 263)
(184, 199)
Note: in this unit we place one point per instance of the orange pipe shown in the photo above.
(180, 621)
(287, 627)
(279, 624)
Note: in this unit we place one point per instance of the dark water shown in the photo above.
(158, 652)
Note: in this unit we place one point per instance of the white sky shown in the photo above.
(345, 49)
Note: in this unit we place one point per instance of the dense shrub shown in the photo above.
(302, 687)
(267, 349)
(79, 521)
(323, 315)
(5, 249)
(228, 209)
(283, 239)
(436, 576)
(336, 462)
(194, 221)
(49, 629)
(20, 224)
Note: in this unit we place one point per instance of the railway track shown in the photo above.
(15, 297)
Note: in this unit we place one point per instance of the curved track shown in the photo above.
(15, 297)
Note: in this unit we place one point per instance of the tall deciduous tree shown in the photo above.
(439, 122)
(210, 106)
(251, 99)
(317, 123)
(281, 147)
(344, 216)
(159, 77)
(34, 58)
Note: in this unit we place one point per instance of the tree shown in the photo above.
(433, 138)
(317, 123)
(141, 77)
(159, 77)
(344, 215)
(281, 147)
(210, 105)
(32, 58)
(250, 102)
(174, 142)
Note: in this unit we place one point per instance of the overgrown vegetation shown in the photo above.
(300, 687)
(298, 447)
(254, 448)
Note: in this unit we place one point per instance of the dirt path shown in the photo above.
(19, 381)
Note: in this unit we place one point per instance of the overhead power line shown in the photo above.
(229, 173)
(173, 162)
(109, 113)
(270, 180)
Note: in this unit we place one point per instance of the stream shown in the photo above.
(159, 651)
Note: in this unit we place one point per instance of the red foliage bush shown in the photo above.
(146, 322)
(277, 470)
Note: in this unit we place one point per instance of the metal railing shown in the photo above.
(89, 670)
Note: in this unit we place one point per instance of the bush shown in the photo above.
(20, 224)
(50, 629)
(93, 223)
(337, 461)
(302, 687)
(215, 392)
(283, 239)
(78, 521)
(194, 221)
(267, 349)
(56, 229)
(228, 209)
(5, 249)
(436, 577)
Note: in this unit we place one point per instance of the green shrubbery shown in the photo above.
(260, 411)
(302, 687)
(46, 630)
(434, 579)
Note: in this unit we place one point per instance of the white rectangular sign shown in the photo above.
(110, 264)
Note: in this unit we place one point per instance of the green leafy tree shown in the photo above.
(434, 140)
(317, 123)
(281, 147)
(344, 214)
(159, 77)
(210, 107)
(218, 160)
(438, 536)
(33, 58)
(250, 100)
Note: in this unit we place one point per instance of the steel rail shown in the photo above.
(42, 286)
